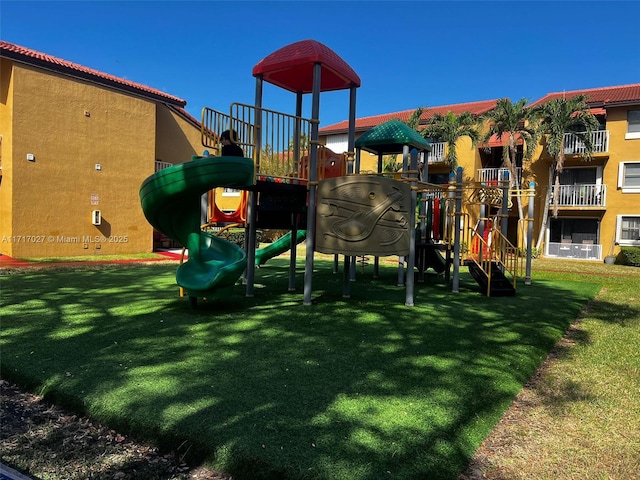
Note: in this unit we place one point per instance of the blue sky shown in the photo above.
(407, 54)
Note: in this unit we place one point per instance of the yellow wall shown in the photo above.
(618, 203)
(6, 130)
(537, 171)
(71, 125)
(177, 139)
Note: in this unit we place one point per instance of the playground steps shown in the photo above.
(501, 286)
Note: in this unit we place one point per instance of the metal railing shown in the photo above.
(574, 146)
(162, 165)
(215, 122)
(267, 136)
(492, 176)
(436, 155)
(494, 252)
(581, 195)
(576, 251)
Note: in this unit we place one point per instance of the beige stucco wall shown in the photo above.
(70, 125)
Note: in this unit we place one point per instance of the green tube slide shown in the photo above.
(171, 204)
(279, 246)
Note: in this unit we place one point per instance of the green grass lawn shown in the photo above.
(264, 387)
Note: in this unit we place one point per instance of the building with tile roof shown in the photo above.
(76, 143)
(75, 146)
(599, 200)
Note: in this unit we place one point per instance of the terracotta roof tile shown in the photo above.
(601, 97)
(33, 57)
(365, 123)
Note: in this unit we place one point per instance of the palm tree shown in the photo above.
(558, 117)
(303, 143)
(414, 119)
(510, 122)
(391, 163)
(448, 129)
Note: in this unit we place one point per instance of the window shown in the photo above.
(633, 124)
(628, 230)
(629, 177)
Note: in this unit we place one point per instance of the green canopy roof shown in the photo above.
(390, 137)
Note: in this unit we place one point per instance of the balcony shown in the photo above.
(599, 139)
(436, 155)
(162, 165)
(492, 176)
(581, 196)
(575, 251)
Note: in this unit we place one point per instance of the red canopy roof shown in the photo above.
(291, 68)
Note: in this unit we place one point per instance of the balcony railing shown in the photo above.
(577, 251)
(162, 165)
(599, 139)
(581, 195)
(492, 176)
(436, 155)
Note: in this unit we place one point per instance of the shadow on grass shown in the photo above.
(264, 387)
(557, 393)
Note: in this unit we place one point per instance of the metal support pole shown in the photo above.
(504, 211)
(409, 294)
(456, 232)
(376, 261)
(252, 204)
(346, 281)
(401, 271)
(349, 260)
(531, 195)
(313, 178)
(423, 233)
(449, 204)
(293, 253)
(481, 228)
(350, 263)
(405, 167)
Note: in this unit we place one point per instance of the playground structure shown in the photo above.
(292, 182)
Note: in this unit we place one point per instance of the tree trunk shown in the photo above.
(556, 195)
(559, 166)
(545, 214)
(515, 181)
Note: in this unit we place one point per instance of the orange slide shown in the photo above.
(218, 216)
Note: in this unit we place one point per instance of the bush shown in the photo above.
(629, 256)
(271, 235)
(236, 235)
(522, 252)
